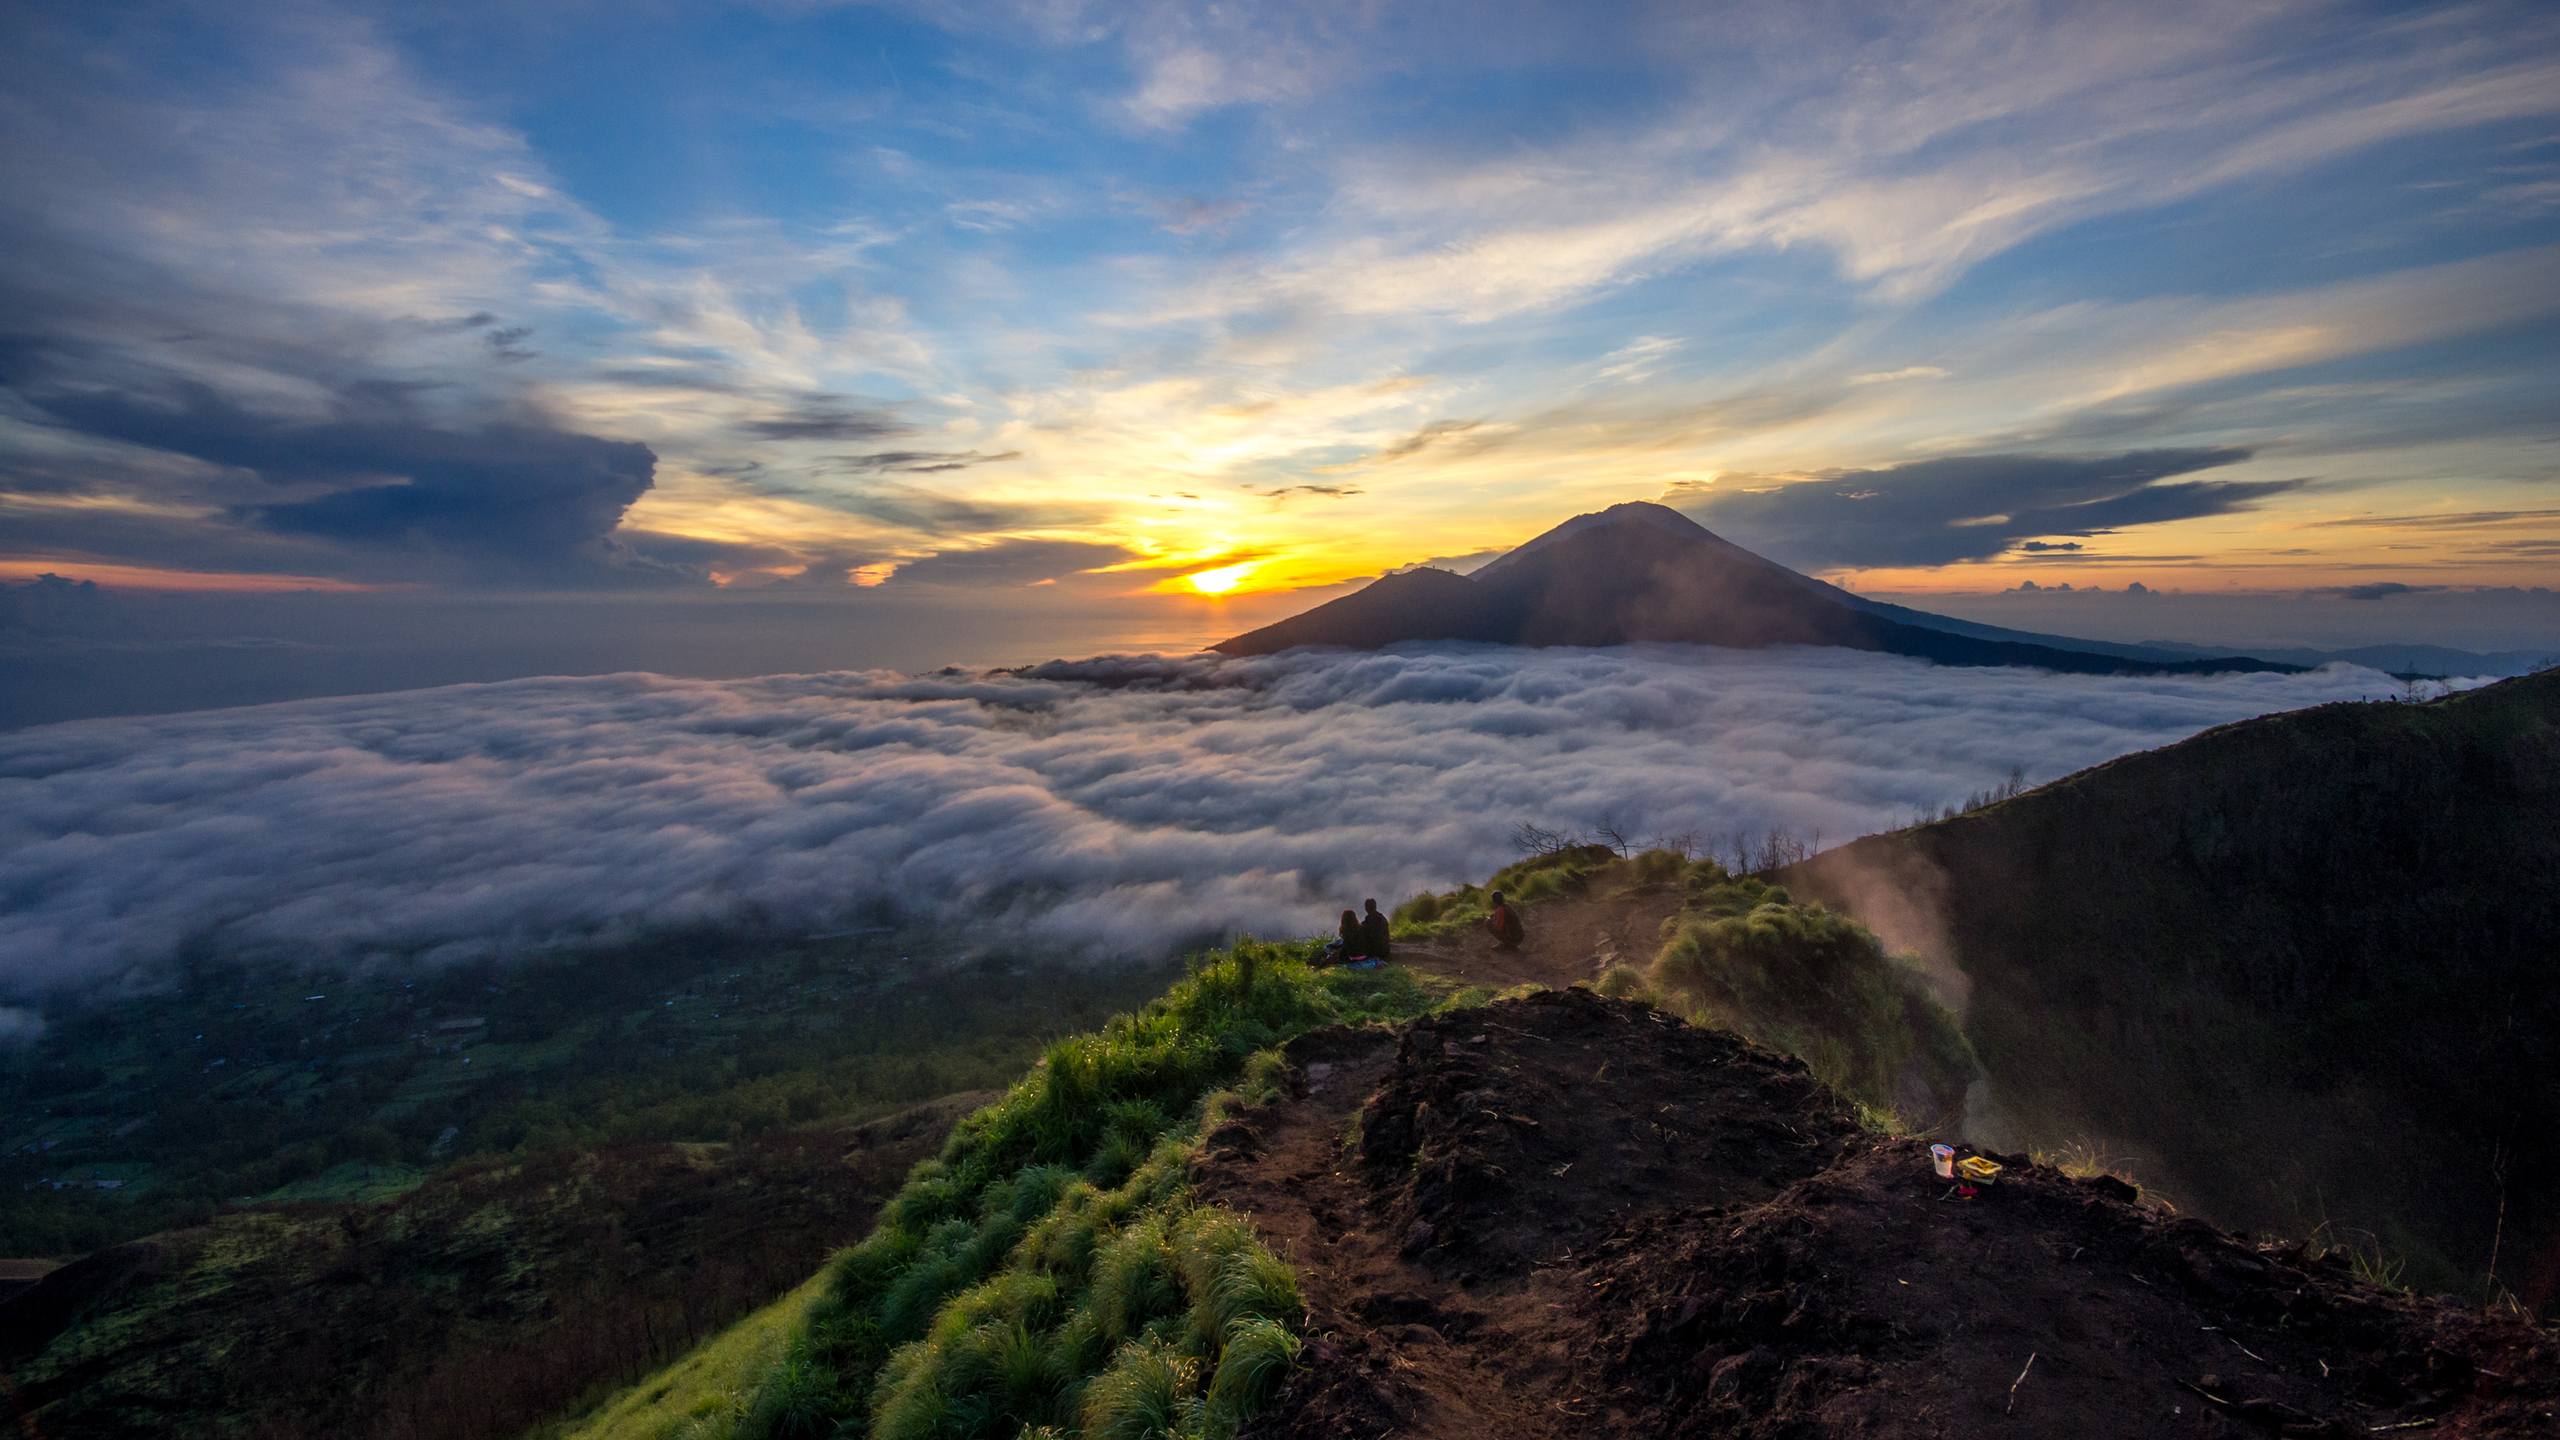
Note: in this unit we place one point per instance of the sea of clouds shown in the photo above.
(1114, 806)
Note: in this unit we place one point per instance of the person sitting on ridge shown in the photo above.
(1375, 942)
(1346, 945)
(1504, 922)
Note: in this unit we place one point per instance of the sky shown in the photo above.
(787, 335)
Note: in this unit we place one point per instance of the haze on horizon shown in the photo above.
(728, 339)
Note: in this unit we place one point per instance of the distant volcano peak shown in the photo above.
(1641, 572)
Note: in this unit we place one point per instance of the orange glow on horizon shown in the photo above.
(144, 577)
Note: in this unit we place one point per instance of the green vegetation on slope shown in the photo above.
(1047, 1273)
(1545, 876)
(249, 1086)
(473, 1306)
(709, 1388)
(1741, 954)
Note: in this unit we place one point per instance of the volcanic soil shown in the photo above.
(1563, 1215)
(1571, 938)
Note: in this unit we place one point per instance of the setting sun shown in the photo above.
(1219, 581)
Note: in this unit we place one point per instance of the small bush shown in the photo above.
(908, 1306)
(1558, 872)
(1147, 1393)
(1656, 868)
(1622, 982)
(1037, 1190)
(1018, 1371)
(911, 1404)
(1134, 1281)
(799, 1400)
(1800, 978)
(930, 1195)
(1257, 1285)
(1258, 1358)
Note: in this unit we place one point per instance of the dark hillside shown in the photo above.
(477, 1305)
(1562, 1217)
(2302, 971)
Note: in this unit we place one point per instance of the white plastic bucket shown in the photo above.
(1944, 1158)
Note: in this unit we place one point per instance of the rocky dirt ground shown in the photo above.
(1570, 940)
(1563, 1215)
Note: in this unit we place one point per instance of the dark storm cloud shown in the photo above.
(52, 605)
(247, 428)
(826, 417)
(514, 500)
(1118, 806)
(1966, 507)
(2376, 590)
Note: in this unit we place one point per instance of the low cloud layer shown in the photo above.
(1116, 806)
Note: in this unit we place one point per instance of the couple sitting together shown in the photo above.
(1364, 942)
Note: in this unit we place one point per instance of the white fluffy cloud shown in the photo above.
(1116, 806)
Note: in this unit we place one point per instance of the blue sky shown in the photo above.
(1052, 306)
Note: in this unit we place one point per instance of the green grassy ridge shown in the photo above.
(1048, 1274)
(1743, 954)
(1523, 882)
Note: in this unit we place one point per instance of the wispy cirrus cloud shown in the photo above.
(1968, 136)
(1120, 274)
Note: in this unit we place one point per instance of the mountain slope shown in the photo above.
(1638, 572)
(471, 1308)
(2299, 970)
(1561, 1214)
(1561, 1217)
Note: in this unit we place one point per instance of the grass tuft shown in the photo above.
(1147, 1393)
(1259, 1355)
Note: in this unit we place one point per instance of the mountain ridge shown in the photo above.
(1639, 572)
(2304, 955)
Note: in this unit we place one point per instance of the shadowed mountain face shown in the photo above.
(2298, 970)
(1640, 573)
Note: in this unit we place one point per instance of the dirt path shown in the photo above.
(1567, 1216)
(1434, 1187)
(1570, 939)
(1392, 1341)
